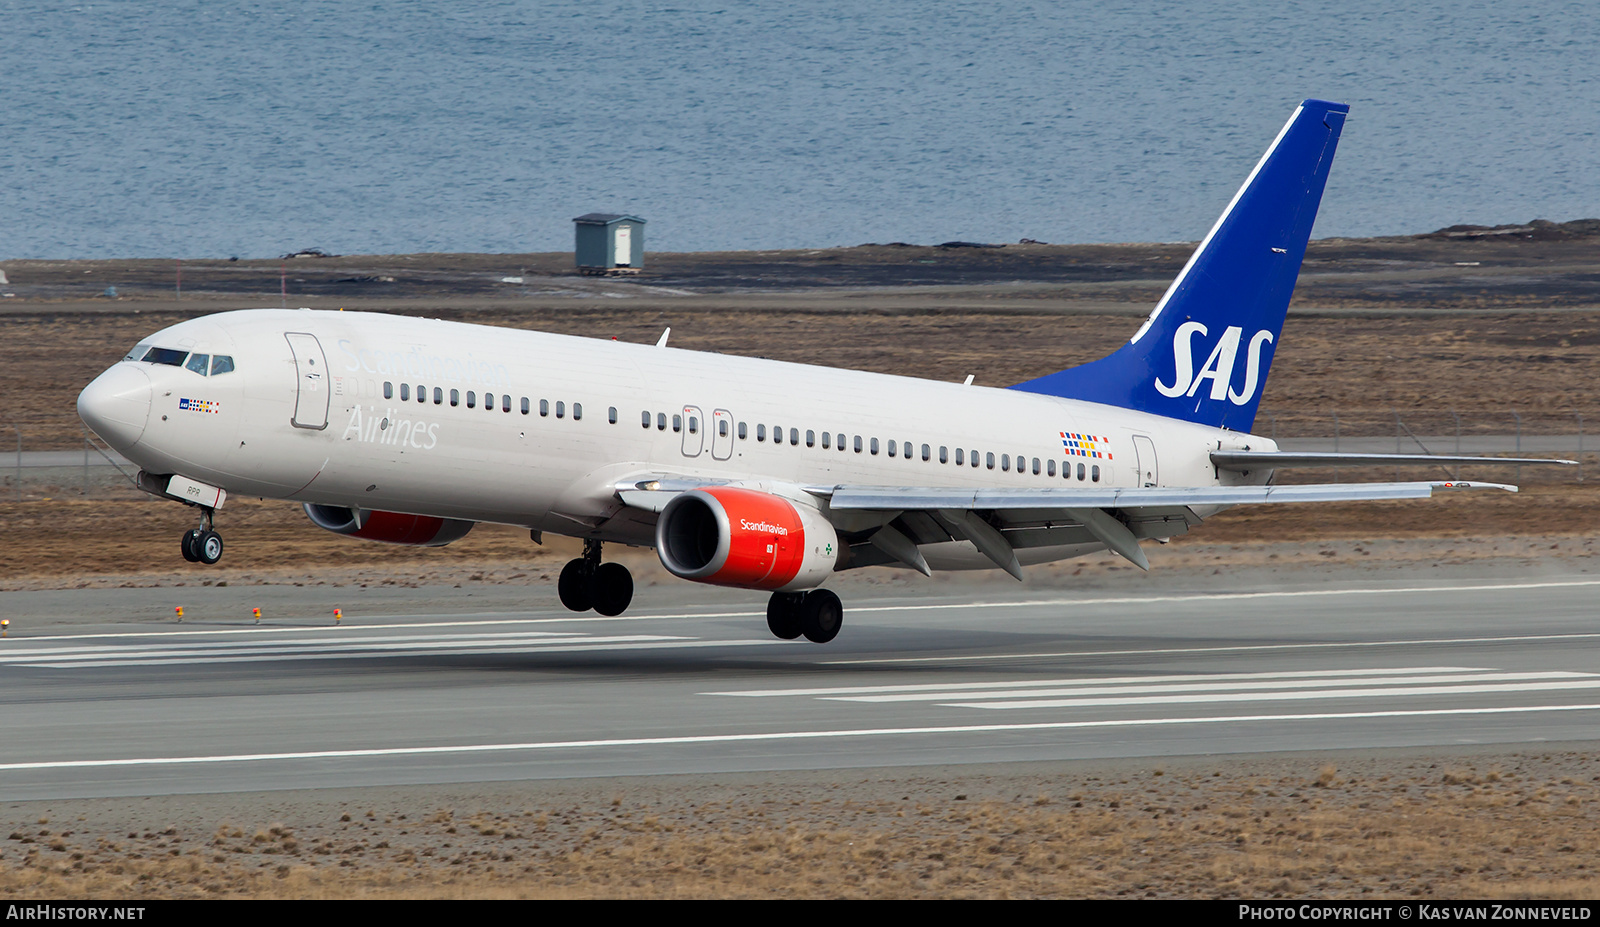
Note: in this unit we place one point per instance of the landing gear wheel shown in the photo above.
(208, 547)
(611, 589)
(783, 615)
(573, 586)
(189, 541)
(821, 616)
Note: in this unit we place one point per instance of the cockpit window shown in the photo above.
(199, 363)
(165, 356)
(221, 363)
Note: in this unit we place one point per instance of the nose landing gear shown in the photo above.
(587, 583)
(202, 544)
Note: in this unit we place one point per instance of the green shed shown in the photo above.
(608, 243)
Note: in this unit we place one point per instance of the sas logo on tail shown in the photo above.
(1218, 368)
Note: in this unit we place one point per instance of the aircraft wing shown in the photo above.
(1246, 461)
(999, 521)
(889, 524)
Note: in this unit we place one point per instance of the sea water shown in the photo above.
(209, 129)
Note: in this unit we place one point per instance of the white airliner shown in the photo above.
(742, 472)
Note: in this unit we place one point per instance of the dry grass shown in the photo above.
(1507, 828)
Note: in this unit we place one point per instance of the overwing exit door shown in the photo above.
(311, 381)
(721, 434)
(693, 431)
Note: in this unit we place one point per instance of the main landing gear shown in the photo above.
(587, 583)
(817, 614)
(202, 544)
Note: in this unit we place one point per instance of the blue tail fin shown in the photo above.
(1203, 354)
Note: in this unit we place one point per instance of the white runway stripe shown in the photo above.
(397, 622)
(1323, 694)
(1106, 680)
(782, 736)
(289, 650)
(633, 642)
(1174, 685)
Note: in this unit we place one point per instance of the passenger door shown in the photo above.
(311, 381)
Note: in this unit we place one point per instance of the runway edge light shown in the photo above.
(179, 610)
(337, 615)
(257, 613)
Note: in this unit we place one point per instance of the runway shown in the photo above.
(116, 704)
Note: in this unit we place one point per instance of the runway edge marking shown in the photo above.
(784, 735)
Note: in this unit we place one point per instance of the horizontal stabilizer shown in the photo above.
(1244, 461)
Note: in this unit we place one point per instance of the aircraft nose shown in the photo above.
(116, 406)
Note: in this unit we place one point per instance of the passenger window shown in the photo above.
(891, 447)
(661, 421)
(989, 459)
(1080, 471)
(644, 418)
(694, 424)
(544, 406)
(722, 428)
(777, 434)
(422, 393)
(472, 399)
(221, 363)
(744, 432)
(527, 406)
(1005, 462)
(761, 432)
(611, 414)
(165, 356)
(561, 409)
(1050, 468)
(811, 438)
(1094, 474)
(577, 411)
(488, 401)
(455, 397)
(677, 423)
(858, 444)
(874, 445)
(505, 403)
(927, 452)
(827, 440)
(438, 396)
(1035, 466)
(961, 459)
(973, 455)
(794, 436)
(405, 392)
(388, 390)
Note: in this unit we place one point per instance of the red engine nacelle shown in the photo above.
(728, 536)
(388, 527)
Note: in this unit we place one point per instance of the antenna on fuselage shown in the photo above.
(968, 380)
(662, 342)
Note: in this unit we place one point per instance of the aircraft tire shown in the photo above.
(208, 547)
(783, 615)
(821, 616)
(573, 587)
(611, 589)
(188, 544)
